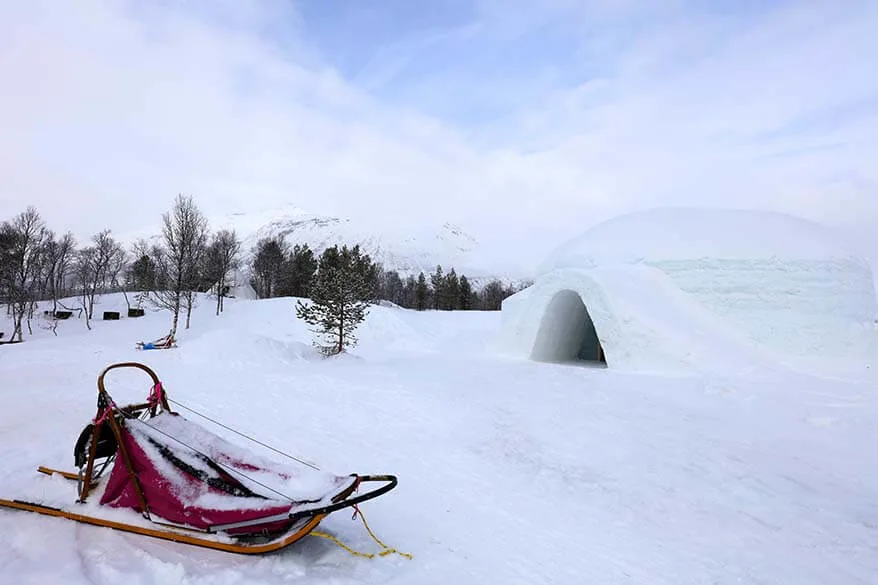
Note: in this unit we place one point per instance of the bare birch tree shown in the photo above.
(115, 267)
(94, 264)
(58, 256)
(7, 251)
(25, 237)
(84, 273)
(141, 274)
(221, 258)
(184, 235)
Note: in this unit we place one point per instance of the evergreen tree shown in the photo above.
(142, 274)
(392, 288)
(340, 296)
(408, 293)
(422, 292)
(303, 266)
(267, 266)
(450, 292)
(437, 279)
(373, 272)
(492, 296)
(465, 294)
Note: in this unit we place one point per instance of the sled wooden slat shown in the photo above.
(65, 474)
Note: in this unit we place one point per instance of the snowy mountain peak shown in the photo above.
(402, 248)
(408, 253)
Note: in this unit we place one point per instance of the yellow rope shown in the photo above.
(387, 550)
(342, 545)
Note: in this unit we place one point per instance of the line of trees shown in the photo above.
(277, 270)
(344, 282)
(168, 272)
(188, 259)
(38, 265)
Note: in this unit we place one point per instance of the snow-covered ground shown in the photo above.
(510, 471)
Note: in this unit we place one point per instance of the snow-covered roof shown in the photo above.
(690, 233)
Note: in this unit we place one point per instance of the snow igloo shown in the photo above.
(696, 287)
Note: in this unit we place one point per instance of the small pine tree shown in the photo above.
(340, 295)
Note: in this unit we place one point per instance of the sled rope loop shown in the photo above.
(386, 550)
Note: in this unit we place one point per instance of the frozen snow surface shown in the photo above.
(710, 289)
(510, 471)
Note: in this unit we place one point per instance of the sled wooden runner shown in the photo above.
(167, 534)
(204, 541)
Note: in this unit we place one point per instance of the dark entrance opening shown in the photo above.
(567, 333)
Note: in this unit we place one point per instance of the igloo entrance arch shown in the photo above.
(567, 333)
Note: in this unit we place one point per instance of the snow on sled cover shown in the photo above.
(194, 477)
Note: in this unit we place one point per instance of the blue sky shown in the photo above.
(474, 63)
(506, 117)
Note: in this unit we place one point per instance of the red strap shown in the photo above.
(155, 394)
(102, 416)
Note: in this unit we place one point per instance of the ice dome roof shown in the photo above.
(690, 233)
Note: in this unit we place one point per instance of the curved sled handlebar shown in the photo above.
(390, 480)
(155, 379)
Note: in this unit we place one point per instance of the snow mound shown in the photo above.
(269, 327)
(385, 328)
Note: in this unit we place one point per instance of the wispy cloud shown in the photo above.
(523, 121)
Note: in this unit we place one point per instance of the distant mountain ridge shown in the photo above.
(408, 252)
